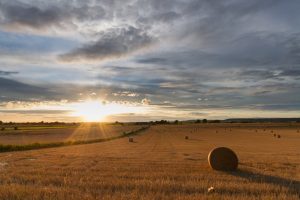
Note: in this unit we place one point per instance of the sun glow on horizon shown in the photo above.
(96, 110)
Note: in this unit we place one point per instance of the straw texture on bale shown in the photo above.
(223, 159)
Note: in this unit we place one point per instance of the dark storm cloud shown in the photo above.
(30, 15)
(113, 43)
(41, 15)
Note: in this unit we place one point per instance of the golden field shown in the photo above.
(29, 134)
(160, 164)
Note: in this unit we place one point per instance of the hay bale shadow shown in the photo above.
(292, 185)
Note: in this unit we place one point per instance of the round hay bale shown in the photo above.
(130, 139)
(223, 159)
(211, 189)
(274, 135)
(278, 136)
(3, 129)
(186, 137)
(16, 128)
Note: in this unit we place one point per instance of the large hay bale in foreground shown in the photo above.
(223, 158)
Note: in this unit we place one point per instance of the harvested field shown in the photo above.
(160, 164)
(85, 131)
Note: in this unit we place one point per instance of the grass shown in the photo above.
(8, 148)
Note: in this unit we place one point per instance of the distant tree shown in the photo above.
(161, 122)
(198, 121)
(216, 121)
(204, 121)
(176, 122)
(1, 122)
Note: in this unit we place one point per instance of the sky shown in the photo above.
(142, 60)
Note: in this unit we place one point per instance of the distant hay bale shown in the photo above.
(3, 129)
(211, 189)
(16, 128)
(274, 135)
(186, 137)
(278, 136)
(223, 159)
(130, 139)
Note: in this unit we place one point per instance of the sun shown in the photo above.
(99, 110)
(91, 111)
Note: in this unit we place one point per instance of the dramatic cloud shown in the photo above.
(21, 14)
(192, 58)
(113, 43)
(21, 91)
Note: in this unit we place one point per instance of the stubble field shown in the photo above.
(63, 133)
(161, 164)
